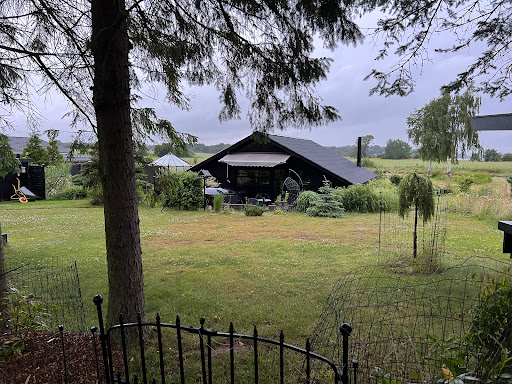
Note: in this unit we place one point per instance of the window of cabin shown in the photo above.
(253, 177)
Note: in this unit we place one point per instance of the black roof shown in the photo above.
(502, 122)
(325, 159)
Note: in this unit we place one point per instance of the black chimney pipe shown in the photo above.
(359, 150)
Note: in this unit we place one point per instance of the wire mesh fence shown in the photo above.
(396, 235)
(407, 327)
(54, 283)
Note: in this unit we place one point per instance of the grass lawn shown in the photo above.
(274, 271)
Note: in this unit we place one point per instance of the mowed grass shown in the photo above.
(274, 271)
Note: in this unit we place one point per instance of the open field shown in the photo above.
(499, 168)
(274, 271)
(197, 158)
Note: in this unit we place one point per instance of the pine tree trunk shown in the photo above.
(111, 98)
(3, 267)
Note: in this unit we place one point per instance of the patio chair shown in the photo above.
(263, 199)
(251, 201)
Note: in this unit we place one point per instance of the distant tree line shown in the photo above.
(165, 148)
(394, 149)
(492, 155)
(351, 150)
(208, 148)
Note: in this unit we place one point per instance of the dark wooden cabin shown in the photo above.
(260, 164)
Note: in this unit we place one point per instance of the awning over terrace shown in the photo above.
(255, 159)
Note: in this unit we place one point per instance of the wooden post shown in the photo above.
(3, 265)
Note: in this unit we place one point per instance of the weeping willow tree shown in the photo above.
(416, 191)
(442, 129)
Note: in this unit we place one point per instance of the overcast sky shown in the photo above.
(384, 118)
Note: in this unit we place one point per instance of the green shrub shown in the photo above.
(395, 179)
(253, 210)
(367, 163)
(480, 178)
(218, 200)
(387, 193)
(465, 184)
(327, 204)
(96, 195)
(359, 198)
(73, 192)
(21, 315)
(489, 335)
(182, 190)
(509, 180)
(57, 179)
(305, 199)
(149, 196)
(465, 181)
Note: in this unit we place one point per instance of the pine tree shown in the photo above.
(54, 155)
(8, 161)
(326, 204)
(35, 150)
(406, 28)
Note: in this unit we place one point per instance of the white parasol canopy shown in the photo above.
(170, 160)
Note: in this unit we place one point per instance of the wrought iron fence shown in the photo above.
(116, 364)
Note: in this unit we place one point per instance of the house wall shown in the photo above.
(33, 179)
(231, 177)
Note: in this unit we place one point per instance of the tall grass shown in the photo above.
(484, 207)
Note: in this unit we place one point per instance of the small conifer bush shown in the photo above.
(326, 205)
(218, 200)
(253, 210)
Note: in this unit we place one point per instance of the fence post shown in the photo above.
(355, 365)
(380, 226)
(180, 349)
(61, 330)
(231, 353)
(346, 330)
(308, 363)
(97, 300)
(160, 348)
(281, 357)
(93, 331)
(141, 345)
(123, 345)
(201, 346)
(256, 374)
(209, 354)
